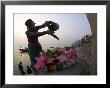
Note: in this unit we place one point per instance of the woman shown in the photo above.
(34, 47)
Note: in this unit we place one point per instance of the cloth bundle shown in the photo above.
(68, 56)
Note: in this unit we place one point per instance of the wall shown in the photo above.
(90, 48)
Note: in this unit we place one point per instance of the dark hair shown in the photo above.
(27, 66)
(20, 62)
(28, 22)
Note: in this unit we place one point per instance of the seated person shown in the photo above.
(29, 71)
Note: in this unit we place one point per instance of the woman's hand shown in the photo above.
(48, 22)
(50, 32)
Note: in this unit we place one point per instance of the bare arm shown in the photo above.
(37, 34)
(41, 33)
(43, 25)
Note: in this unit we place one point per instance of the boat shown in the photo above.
(23, 50)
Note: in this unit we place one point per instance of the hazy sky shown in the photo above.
(72, 27)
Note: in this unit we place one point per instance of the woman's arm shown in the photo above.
(43, 25)
(38, 34)
(41, 33)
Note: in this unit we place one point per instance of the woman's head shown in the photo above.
(20, 62)
(27, 66)
(29, 23)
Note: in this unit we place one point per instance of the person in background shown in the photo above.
(21, 68)
(29, 71)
